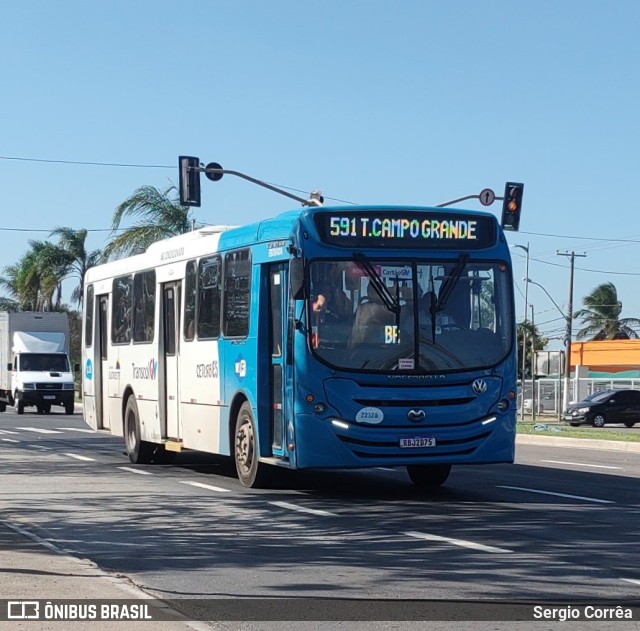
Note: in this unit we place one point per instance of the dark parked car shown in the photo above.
(605, 406)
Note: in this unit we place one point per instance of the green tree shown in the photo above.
(79, 260)
(530, 332)
(6, 304)
(159, 215)
(35, 282)
(601, 316)
(10, 281)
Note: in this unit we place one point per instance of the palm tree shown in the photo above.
(601, 316)
(35, 282)
(73, 243)
(160, 216)
(22, 281)
(10, 281)
(50, 265)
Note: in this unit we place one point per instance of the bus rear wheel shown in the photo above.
(250, 472)
(139, 451)
(428, 476)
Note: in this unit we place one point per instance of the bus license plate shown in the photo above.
(418, 441)
(48, 396)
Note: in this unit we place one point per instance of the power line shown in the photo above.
(127, 165)
(297, 190)
(565, 236)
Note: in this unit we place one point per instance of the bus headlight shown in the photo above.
(503, 405)
(68, 386)
(28, 386)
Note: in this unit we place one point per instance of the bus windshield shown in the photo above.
(411, 317)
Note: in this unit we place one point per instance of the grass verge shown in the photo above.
(552, 428)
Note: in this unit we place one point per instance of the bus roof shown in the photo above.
(223, 237)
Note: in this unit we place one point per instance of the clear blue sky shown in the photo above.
(408, 102)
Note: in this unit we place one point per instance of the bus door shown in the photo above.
(279, 377)
(169, 373)
(102, 364)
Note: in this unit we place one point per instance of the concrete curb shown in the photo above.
(580, 443)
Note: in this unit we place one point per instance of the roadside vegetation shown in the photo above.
(544, 427)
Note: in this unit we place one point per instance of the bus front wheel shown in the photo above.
(250, 472)
(139, 451)
(428, 476)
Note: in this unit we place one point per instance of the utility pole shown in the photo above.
(524, 328)
(567, 339)
(533, 369)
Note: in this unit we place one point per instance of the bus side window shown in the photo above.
(209, 291)
(237, 290)
(121, 314)
(190, 292)
(144, 290)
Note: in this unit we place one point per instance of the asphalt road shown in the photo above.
(559, 524)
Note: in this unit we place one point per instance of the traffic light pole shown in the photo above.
(190, 168)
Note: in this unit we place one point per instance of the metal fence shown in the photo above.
(549, 393)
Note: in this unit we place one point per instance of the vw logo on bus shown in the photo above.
(479, 386)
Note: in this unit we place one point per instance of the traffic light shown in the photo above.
(189, 169)
(511, 206)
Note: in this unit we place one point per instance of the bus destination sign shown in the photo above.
(410, 229)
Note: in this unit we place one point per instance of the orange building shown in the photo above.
(607, 356)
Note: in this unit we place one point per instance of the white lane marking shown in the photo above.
(581, 464)
(77, 457)
(41, 447)
(632, 580)
(455, 542)
(572, 497)
(10, 440)
(138, 471)
(7, 431)
(209, 487)
(117, 581)
(76, 429)
(39, 431)
(385, 468)
(301, 509)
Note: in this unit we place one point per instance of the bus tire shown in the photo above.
(19, 407)
(250, 472)
(139, 451)
(428, 476)
(69, 408)
(3, 406)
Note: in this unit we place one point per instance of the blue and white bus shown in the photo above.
(327, 337)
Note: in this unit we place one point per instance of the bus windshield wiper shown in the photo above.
(450, 282)
(390, 303)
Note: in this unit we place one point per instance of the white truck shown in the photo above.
(34, 361)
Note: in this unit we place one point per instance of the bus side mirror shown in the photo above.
(296, 278)
(76, 368)
(9, 366)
